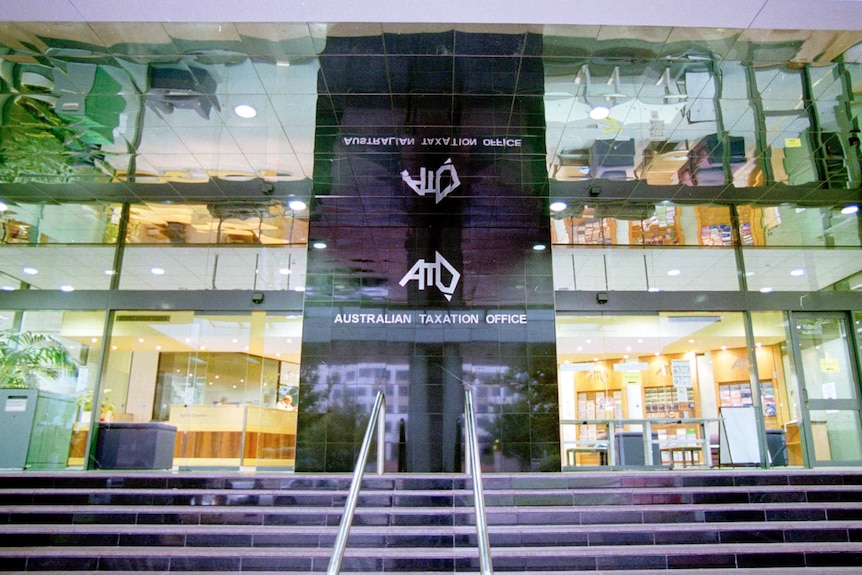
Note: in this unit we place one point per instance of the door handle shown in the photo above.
(804, 396)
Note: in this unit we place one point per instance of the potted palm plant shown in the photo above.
(37, 422)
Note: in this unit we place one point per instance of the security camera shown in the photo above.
(602, 297)
(257, 297)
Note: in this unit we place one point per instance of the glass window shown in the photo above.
(219, 268)
(814, 249)
(56, 352)
(654, 248)
(223, 380)
(674, 371)
(22, 223)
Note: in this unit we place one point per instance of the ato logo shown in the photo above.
(433, 274)
(440, 183)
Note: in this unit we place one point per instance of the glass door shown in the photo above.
(828, 431)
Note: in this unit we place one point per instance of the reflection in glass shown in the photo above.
(69, 375)
(216, 378)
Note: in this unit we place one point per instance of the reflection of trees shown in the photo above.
(329, 429)
(527, 425)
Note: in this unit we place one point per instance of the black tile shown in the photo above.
(84, 539)
(734, 515)
(752, 536)
(218, 540)
(62, 563)
(716, 560)
(795, 514)
(153, 539)
(700, 537)
(828, 559)
(621, 538)
(134, 563)
(632, 562)
(819, 535)
(205, 564)
(770, 560)
(300, 564)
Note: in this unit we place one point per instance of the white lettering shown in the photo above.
(502, 142)
(432, 274)
(510, 318)
(429, 182)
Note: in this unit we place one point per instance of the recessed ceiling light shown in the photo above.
(851, 209)
(157, 271)
(797, 272)
(600, 112)
(673, 272)
(244, 111)
(539, 247)
(67, 288)
(766, 290)
(109, 272)
(558, 206)
(296, 205)
(30, 271)
(319, 245)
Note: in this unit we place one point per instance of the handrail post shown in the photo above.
(350, 507)
(475, 470)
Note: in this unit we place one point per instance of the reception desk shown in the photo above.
(233, 436)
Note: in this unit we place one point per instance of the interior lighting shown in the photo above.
(797, 272)
(244, 111)
(766, 290)
(66, 288)
(673, 273)
(319, 245)
(296, 205)
(558, 206)
(849, 210)
(30, 271)
(600, 112)
(539, 247)
(157, 271)
(284, 271)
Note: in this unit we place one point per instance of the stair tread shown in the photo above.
(400, 529)
(431, 552)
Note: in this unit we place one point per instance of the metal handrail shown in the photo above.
(475, 470)
(350, 506)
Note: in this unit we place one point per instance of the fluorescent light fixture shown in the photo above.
(558, 206)
(600, 112)
(30, 271)
(296, 205)
(284, 271)
(673, 273)
(797, 273)
(539, 247)
(67, 288)
(766, 290)
(244, 111)
(157, 271)
(319, 245)
(849, 210)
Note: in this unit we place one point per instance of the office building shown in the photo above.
(634, 236)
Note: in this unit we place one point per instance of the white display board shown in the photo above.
(737, 436)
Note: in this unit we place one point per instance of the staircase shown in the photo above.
(705, 522)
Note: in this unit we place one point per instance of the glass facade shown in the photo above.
(632, 252)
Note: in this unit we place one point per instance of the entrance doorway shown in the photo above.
(829, 430)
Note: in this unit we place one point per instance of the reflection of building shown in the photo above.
(617, 228)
